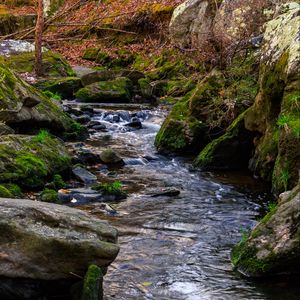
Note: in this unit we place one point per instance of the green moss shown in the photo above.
(14, 189)
(64, 87)
(244, 257)
(119, 90)
(91, 54)
(229, 151)
(49, 195)
(31, 168)
(114, 188)
(28, 162)
(51, 95)
(58, 182)
(54, 65)
(92, 285)
(5, 193)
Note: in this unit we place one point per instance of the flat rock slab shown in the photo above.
(84, 175)
(47, 241)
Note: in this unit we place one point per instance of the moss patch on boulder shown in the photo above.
(28, 161)
(230, 151)
(23, 107)
(54, 65)
(118, 90)
(65, 87)
(273, 246)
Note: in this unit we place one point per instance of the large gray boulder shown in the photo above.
(49, 242)
(238, 20)
(274, 244)
(191, 23)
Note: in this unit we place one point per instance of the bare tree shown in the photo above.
(38, 37)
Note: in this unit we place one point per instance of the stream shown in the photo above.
(176, 247)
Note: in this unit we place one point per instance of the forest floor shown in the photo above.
(140, 27)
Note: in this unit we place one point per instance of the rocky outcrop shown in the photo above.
(203, 114)
(191, 23)
(50, 242)
(275, 113)
(22, 104)
(273, 247)
(214, 26)
(30, 160)
(238, 20)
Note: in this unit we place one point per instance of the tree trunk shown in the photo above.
(38, 37)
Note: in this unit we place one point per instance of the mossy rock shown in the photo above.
(230, 151)
(54, 65)
(96, 76)
(49, 195)
(5, 193)
(14, 189)
(25, 108)
(180, 131)
(118, 90)
(119, 59)
(273, 246)
(65, 87)
(29, 161)
(92, 284)
(91, 54)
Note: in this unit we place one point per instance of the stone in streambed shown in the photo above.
(135, 123)
(65, 87)
(110, 156)
(83, 119)
(84, 175)
(87, 195)
(49, 242)
(168, 192)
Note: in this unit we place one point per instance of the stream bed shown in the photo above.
(177, 247)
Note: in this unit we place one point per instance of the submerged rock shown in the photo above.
(49, 241)
(84, 175)
(273, 247)
(166, 192)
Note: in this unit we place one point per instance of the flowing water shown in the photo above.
(177, 247)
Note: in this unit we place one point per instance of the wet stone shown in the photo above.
(167, 192)
(84, 175)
